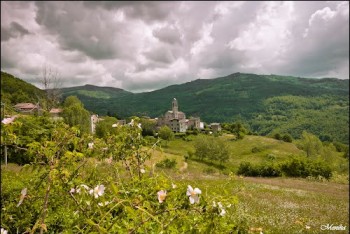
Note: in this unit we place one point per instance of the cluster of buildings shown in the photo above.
(30, 108)
(176, 120)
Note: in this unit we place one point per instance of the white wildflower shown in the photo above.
(91, 145)
(161, 196)
(8, 120)
(114, 125)
(173, 186)
(104, 203)
(97, 191)
(23, 195)
(193, 194)
(142, 171)
(3, 231)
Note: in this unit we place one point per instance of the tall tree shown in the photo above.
(75, 114)
(166, 134)
(311, 144)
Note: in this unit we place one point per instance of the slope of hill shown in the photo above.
(221, 99)
(15, 90)
(268, 103)
(92, 91)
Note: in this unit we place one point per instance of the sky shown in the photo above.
(144, 46)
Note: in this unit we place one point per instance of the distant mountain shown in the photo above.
(268, 103)
(92, 91)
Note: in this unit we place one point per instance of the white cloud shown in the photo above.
(148, 45)
(204, 41)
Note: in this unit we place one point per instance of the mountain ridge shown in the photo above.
(268, 104)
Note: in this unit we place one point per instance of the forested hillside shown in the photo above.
(267, 103)
(15, 90)
(94, 92)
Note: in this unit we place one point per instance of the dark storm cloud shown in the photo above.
(13, 31)
(86, 31)
(148, 45)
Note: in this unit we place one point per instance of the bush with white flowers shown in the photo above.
(66, 192)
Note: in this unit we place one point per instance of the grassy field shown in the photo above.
(270, 205)
(278, 205)
(274, 205)
(253, 149)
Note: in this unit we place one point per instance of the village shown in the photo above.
(175, 119)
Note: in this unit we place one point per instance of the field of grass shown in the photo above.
(253, 149)
(274, 205)
(283, 205)
(267, 205)
(278, 205)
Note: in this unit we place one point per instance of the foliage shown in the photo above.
(104, 127)
(15, 90)
(267, 103)
(148, 127)
(286, 137)
(75, 114)
(265, 169)
(166, 133)
(293, 167)
(323, 115)
(236, 128)
(167, 163)
(23, 132)
(66, 192)
(310, 143)
(301, 167)
(211, 148)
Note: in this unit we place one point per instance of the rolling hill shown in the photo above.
(95, 92)
(267, 104)
(15, 90)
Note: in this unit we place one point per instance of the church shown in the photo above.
(176, 120)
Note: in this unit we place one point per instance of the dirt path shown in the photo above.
(184, 167)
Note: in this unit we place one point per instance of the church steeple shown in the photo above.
(175, 108)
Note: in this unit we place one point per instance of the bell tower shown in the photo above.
(175, 108)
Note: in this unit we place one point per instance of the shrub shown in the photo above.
(167, 163)
(287, 138)
(271, 157)
(265, 170)
(277, 136)
(304, 167)
(247, 169)
(256, 149)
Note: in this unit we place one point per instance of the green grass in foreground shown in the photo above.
(278, 205)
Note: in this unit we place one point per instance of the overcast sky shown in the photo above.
(142, 46)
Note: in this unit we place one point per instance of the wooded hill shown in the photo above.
(267, 104)
(15, 90)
